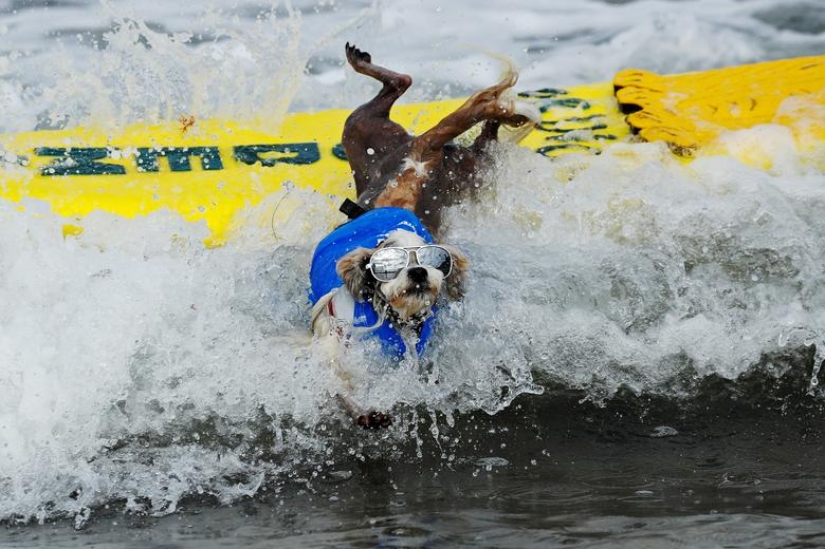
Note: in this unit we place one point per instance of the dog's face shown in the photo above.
(416, 276)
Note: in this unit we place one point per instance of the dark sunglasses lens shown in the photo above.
(387, 263)
(436, 256)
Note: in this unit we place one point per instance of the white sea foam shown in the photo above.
(632, 265)
(108, 340)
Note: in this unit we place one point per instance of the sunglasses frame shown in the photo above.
(409, 251)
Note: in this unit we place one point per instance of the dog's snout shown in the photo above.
(417, 274)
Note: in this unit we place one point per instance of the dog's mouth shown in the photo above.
(419, 289)
(418, 292)
(413, 300)
(412, 293)
(425, 290)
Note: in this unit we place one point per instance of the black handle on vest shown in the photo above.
(351, 209)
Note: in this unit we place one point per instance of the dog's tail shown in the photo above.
(509, 100)
(509, 73)
(513, 133)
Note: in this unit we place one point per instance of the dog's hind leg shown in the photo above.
(486, 105)
(427, 150)
(369, 134)
(488, 133)
(394, 84)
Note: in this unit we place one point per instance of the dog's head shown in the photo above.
(407, 273)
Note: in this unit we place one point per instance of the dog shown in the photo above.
(382, 272)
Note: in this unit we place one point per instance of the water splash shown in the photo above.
(819, 358)
(139, 366)
(133, 70)
(632, 267)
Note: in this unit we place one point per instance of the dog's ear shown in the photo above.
(352, 268)
(456, 282)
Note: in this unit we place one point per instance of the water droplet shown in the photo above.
(490, 462)
(664, 431)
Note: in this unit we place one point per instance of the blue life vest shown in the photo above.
(366, 231)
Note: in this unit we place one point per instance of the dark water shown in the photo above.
(739, 463)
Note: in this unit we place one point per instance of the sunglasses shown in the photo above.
(386, 263)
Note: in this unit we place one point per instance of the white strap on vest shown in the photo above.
(341, 310)
(342, 306)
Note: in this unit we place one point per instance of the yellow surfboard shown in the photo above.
(210, 170)
(691, 110)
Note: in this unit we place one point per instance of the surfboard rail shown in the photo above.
(210, 170)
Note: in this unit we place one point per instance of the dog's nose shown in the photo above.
(417, 274)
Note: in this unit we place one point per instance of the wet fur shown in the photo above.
(429, 172)
(401, 292)
(423, 174)
(405, 296)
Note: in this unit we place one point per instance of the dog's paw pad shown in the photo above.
(375, 420)
(354, 55)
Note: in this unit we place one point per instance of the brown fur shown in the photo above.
(377, 147)
(422, 174)
(352, 268)
(457, 281)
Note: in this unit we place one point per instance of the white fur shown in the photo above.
(528, 110)
(402, 291)
(403, 237)
(408, 297)
(514, 134)
(509, 102)
(332, 333)
(418, 166)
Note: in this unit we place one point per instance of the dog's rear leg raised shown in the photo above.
(368, 132)
(487, 105)
(426, 152)
(395, 84)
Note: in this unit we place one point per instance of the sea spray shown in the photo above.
(133, 70)
(140, 365)
(632, 265)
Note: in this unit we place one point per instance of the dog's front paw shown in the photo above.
(428, 373)
(374, 420)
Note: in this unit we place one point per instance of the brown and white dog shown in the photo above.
(404, 182)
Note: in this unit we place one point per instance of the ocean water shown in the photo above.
(636, 364)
